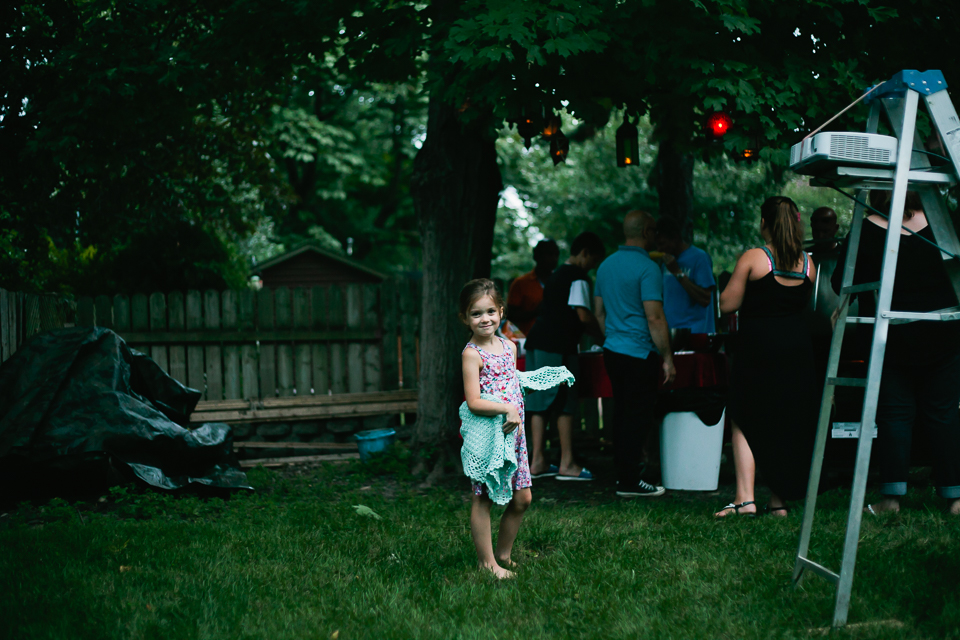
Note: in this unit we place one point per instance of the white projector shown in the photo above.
(826, 151)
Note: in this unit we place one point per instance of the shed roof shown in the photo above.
(309, 246)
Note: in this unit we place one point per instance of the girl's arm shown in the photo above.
(732, 296)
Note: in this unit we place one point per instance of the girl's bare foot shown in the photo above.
(498, 571)
(507, 562)
(954, 508)
(887, 504)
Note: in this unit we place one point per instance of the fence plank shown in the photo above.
(409, 325)
(140, 312)
(284, 310)
(17, 312)
(336, 318)
(231, 352)
(158, 322)
(301, 349)
(389, 345)
(268, 352)
(354, 350)
(86, 312)
(321, 379)
(249, 355)
(121, 313)
(104, 310)
(175, 322)
(195, 366)
(372, 352)
(7, 328)
(214, 361)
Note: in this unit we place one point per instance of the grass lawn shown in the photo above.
(295, 560)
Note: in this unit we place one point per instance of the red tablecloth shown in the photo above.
(693, 370)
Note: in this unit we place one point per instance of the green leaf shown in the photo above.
(363, 510)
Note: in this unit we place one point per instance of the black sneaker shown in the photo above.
(626, 490)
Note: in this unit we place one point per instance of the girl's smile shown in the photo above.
(483, 317)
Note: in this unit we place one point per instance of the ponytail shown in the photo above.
(786, 232)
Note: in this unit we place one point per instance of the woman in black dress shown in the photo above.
(773, 397)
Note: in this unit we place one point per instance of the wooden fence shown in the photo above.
(22, 315)
(254, 345)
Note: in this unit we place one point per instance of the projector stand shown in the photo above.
(898, 98)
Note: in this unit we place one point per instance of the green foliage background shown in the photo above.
(590, 193)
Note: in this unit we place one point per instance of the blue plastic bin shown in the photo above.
(374, 441)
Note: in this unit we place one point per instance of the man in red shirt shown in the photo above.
(526, 292)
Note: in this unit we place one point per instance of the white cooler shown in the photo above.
(690, 452)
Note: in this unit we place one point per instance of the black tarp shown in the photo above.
(79, 411)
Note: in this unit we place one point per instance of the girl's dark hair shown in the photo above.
(881, 200)
(786, 232)
(476, 289)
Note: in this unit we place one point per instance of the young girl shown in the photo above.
(490, 366)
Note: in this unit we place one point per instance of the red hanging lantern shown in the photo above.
(718, 124)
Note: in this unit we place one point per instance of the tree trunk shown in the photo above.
(455, 187)
(674, 182)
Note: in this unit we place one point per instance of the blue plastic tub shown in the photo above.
(374, 441)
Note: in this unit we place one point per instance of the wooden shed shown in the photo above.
(308, 265)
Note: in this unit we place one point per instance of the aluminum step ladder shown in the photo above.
(898, 99)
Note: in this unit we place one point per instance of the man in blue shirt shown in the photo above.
(688, 282)
(628, 303)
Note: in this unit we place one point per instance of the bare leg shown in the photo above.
(888, 503)
(538, 428)
(565, 429)
(746, 470)
(480, 529)
(510, 525)
(777, 507)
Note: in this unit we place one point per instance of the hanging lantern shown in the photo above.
(559, 147)
(752, 152)
(551, 125)
(628, 144)
(528, 126)
(718, 124)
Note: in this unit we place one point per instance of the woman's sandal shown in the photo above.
(736, 509)
(769, 511)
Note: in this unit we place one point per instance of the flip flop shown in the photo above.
(584, 476)
(551, 471)
(736, 509)
(768, 510)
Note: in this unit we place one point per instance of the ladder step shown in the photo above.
(819, 569)
(950, 313)
(859, 320)
(859, 288)
(847, 382)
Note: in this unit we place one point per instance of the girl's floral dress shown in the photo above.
(498, 377)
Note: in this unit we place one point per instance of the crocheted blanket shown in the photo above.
(489, 455)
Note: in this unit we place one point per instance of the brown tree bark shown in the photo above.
(674, 182)
(455, 187)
